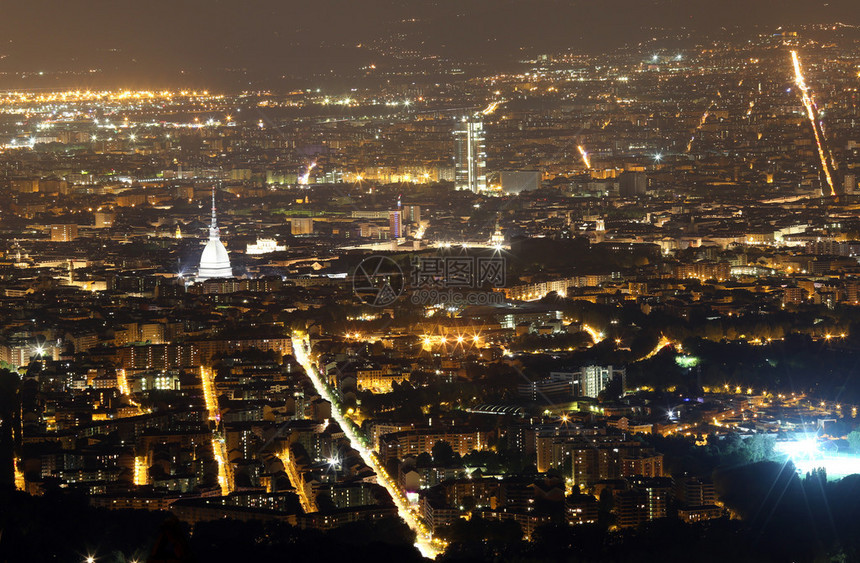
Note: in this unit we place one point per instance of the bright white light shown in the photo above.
(807, 456)
(805, 448)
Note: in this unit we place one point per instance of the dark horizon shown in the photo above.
(228, 44)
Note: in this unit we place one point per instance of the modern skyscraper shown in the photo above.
(470, 168)
(395, 221)
(214, 262)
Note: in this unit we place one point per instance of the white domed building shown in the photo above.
(215, 261)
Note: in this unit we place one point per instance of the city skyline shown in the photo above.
(438, 281)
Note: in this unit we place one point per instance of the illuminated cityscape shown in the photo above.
(523, 281)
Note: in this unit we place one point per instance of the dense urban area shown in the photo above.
(591, 308)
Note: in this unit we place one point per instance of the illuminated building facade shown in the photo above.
(395, 223)
(265, 246)
(214, 262)
(596, 378)
(470, 156)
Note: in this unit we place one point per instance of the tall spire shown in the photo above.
(213, 228)
(214, 261)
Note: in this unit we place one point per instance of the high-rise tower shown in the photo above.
(470, 169)
(215, 261)
(395, 221)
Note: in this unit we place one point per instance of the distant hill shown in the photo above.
(232, 43)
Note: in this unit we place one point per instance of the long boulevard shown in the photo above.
(297, 481)
(428, 546)
(219, 447)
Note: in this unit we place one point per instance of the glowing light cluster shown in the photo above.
(306, 175)
(219, 448)
(807, 453)
(140, 472)
(685, 361)
(699, 126)
(298, 483)
(460, 340)
(209, 396)
(20, 482)
(72, 96)
(220, 451)
(585, 158)
(595, 335)
(662, 343)
(490, 109)
(122, 382)
(427, 545)
(809, 104)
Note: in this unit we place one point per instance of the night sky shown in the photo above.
(156, 41)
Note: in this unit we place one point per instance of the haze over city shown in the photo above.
(238, 44)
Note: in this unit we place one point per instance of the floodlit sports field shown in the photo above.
(807, 455)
